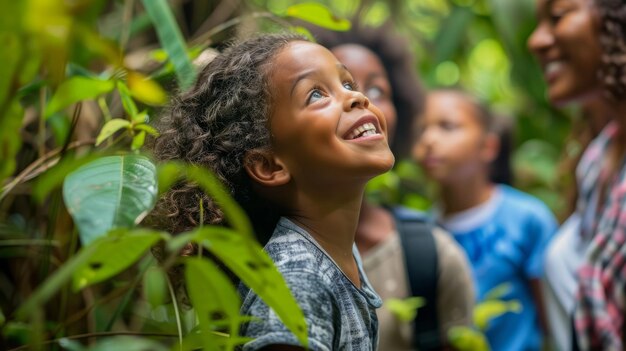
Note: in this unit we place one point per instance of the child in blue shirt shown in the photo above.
(503, 231)
(281, 123)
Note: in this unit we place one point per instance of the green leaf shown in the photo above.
(111, 192)
(113, 254)
(110, 128)
(319, 15)
(485, 311)
(168, 174)
(146, 128)
(405, 309)
(235, 215)
(10, 139)
(145, 89)
(54, 177)
(214, 298)
(53, 284)
(499, 291)
(155, 286)
(172, 40)
(467, 339)
(71, 345)
(138, 140)
(246, 258)
(76, 89)
(451, 33)
(127, 343)
(12, 54)
(127, 100)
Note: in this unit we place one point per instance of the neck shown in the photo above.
(465, 195)
(331, 217)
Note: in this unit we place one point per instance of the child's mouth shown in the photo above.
(364, 130)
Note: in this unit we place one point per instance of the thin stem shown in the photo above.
(34, 168)
(176, 312)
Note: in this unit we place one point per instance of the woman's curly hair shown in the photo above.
(613, 40)
(397, 59)
(214, 124)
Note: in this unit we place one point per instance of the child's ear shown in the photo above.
(491, 147)
(265, 168)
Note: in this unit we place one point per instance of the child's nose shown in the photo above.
(356, 99)
(540, 39)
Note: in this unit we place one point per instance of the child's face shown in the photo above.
(371, 77)
(450, 145)
(322, 128)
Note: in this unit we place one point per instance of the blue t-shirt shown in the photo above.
(505, 240)
(339, 315)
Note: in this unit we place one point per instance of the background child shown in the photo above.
(390, 239)
(503, 231)
(279, 120)
(581, 47)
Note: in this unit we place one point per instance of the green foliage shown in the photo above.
(319, 15)
(110, 192)
(171, 40)
(405, 309)
(77, 89)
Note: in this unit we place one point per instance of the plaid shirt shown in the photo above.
(600, 305)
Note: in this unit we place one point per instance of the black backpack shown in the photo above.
(420, 256)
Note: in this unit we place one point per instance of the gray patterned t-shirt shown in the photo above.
(339, 315)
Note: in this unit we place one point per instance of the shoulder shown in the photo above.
(523, 206)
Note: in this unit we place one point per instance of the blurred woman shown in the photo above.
(581, 47)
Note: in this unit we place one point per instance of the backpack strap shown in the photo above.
(420, 254)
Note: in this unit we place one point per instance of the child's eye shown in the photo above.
(447, 125)
(350, 85)
(314, 96)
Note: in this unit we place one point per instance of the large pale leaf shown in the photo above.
(76, 89)
(172, 40)
(113, 254)
(249, 262)
(111, 192)
(319, 15)
(214, 299)
(128, 343)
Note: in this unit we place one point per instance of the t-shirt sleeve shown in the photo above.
(316, 302)
(543, 225)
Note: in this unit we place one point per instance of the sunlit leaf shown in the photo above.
(486, 311)
(110, 128)
(76, 89)
(146, 128)
(128, 343)
(172, 40)
(452, 32)
(138, 140)
(111, 192)
(405, 309)
(114, 253)
(319, 15)
(467, 339)
(303, 31)
(499, 291)
(214, 298)
(155, 286)
(145, 89)
(248, 261)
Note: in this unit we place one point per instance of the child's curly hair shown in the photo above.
(397, 59)
(214, 124)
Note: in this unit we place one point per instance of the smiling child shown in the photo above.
(281, 123)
